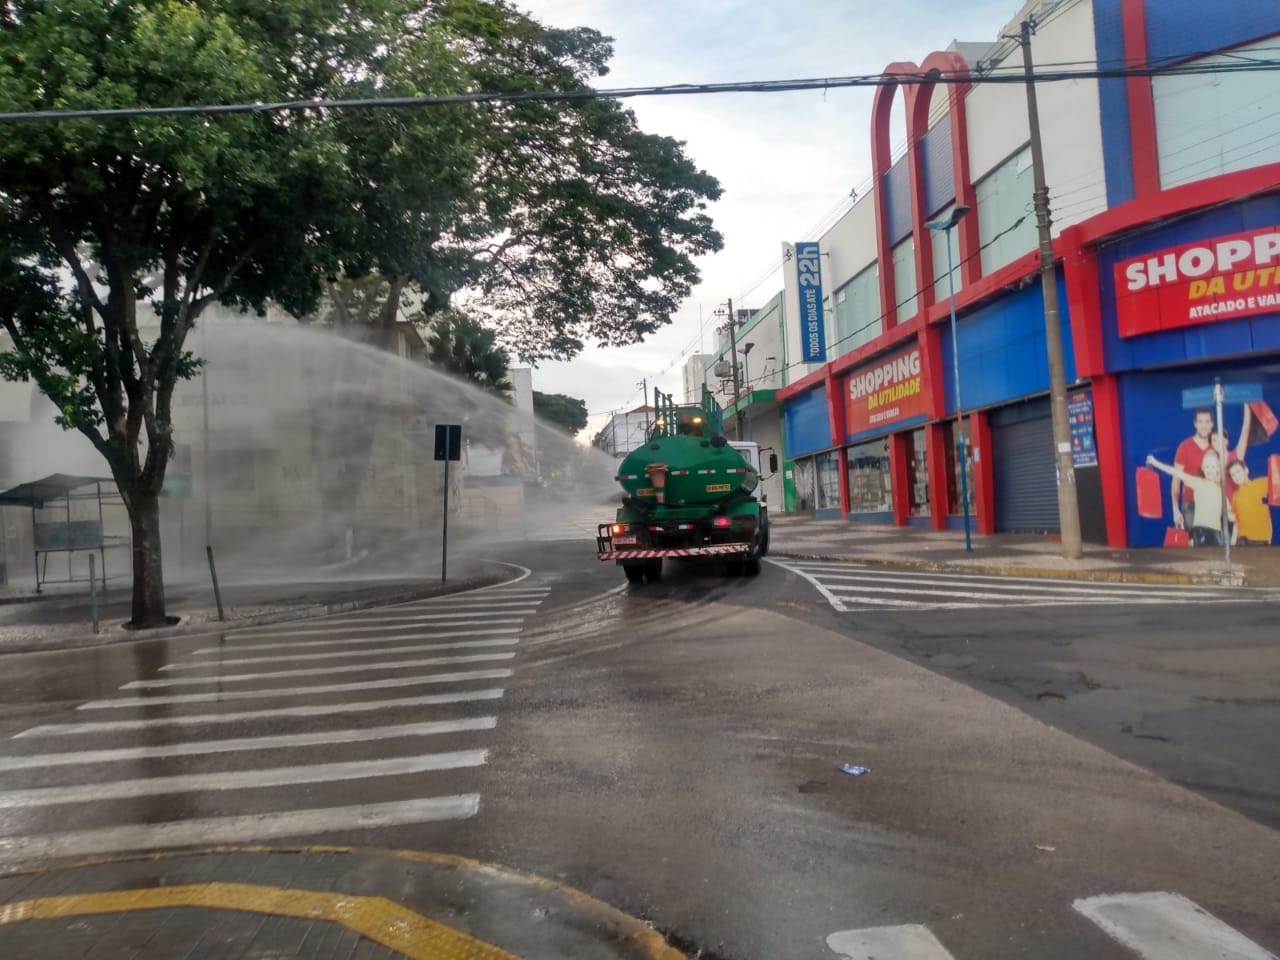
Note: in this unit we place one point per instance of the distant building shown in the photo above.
(695, 377)
(625, 431)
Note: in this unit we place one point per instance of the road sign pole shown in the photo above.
(444, 529)
(1218, 396)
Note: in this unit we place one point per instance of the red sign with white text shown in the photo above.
(1217, 279)
(885, 392)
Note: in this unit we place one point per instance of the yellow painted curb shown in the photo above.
(632, 930)
(374, 918)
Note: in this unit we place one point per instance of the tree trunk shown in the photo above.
(148, 573)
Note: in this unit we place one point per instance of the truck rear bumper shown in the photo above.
(714, 550)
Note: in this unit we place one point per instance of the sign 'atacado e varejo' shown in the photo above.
(1217, 279)
(888, 391)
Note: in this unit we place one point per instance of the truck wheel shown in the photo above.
(751, 568)
(653, 573)
(634, 572)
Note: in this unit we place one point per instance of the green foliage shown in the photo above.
(567, 413)
(563, 221)
(461, 345)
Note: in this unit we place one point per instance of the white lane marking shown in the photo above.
(1167, 926)
(525, 574)
(459, 621)
(1048, 588)
(279, 742)
(462, 605)
(214, 831)
(907, 942)
(223, 695)
(394, 638)
(318, 671)
(830, 597)
(933, 591)
(341, 654)
(406, 619)
(242, 779)
(203, 719)
(1173, 589)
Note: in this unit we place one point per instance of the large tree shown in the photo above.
(563, 219)
(561, 410)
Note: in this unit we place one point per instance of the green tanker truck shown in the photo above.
(689, 494)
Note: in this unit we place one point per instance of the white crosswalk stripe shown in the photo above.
(852, 588)
(345, 705)
(1152, 926)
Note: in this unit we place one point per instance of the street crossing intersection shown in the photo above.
(311, 727)
(853, 588)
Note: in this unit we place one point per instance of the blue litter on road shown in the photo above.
(853, 771)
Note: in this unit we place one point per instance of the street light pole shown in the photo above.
(746, 377)
(946, 226)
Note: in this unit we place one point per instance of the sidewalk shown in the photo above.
(1013, 554)
(322, 902)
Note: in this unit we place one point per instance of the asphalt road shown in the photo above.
(673, 750)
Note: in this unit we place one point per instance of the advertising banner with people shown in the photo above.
(1197, 479)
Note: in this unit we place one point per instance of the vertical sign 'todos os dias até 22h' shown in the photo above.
(809, 281)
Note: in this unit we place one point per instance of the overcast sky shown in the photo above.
(785, 160)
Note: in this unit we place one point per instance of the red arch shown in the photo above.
(881, 110)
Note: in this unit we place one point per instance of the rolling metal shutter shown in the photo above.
(1026, 478)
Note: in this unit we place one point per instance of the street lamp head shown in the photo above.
(946, 223)
(746, 348)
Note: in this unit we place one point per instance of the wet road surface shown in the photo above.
(672, 750)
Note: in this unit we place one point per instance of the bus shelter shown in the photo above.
(67, 519)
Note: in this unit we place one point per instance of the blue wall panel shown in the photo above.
(1002, 350)
(939, 166)
(1187, 344)
(1154, 423)
(1176, 28)
(807, 424)
(898, 197)
(1114, 103)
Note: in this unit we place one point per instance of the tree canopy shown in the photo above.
(567, 413)
(462, 346)
(561, 221)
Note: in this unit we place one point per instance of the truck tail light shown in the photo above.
(722, 522)
(618, 528)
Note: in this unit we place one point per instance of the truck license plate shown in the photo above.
(625, 540)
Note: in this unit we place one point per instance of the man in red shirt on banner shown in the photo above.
(1190, 457)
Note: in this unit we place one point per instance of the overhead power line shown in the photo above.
(667, 90)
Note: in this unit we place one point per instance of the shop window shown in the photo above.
(955, 504)
(828, 468)
(804, 485)
(904, 279)
(1006, 219)
(858, 318)
(870, 487)
(918, 472)
(1213, 123)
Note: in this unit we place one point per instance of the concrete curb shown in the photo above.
(1015, 570)
(213, 627)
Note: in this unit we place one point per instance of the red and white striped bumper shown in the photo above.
(715, 550)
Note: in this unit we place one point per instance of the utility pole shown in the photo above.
(737, 380)
(644, 392)
(1068, 502)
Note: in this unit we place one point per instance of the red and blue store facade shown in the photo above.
(880, 438)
